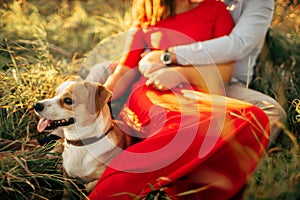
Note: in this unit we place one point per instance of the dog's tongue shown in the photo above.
(42, 125)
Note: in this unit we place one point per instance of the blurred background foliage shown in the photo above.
(42, 41)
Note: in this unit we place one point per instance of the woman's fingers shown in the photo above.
(147, 69)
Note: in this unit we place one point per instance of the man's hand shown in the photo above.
(151, 62)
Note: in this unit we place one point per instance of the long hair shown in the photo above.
(149, 12)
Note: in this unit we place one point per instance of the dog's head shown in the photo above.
(76, 101)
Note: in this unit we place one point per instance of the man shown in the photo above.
(252, 19)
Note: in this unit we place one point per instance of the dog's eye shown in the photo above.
(68, 101)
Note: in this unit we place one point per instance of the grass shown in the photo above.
(43, 41)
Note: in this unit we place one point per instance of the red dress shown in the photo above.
(207, 147)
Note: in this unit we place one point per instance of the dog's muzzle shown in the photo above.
(50, 124)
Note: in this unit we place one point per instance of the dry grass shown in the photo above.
(43, 41)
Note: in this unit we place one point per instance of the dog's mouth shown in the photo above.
(47, 124)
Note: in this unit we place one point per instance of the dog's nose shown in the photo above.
(38, 107)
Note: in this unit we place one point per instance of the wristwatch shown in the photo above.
(166, 58)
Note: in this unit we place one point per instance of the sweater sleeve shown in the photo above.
(247, 34)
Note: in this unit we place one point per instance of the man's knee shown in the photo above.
(99, 72)
(276, 115)
(270, 106)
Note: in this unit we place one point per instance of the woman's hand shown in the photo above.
(120, 80)
(166, 78)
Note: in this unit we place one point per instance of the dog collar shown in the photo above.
(91, 140)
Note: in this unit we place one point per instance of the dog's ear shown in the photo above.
(98, 96)
(72, 78)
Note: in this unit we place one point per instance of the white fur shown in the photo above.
(89, 157)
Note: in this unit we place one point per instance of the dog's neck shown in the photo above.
(96, 127)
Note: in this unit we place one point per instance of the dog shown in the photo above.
(91, 137)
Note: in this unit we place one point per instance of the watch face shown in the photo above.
(166, 58)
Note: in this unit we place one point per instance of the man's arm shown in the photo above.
(247, 34)
(210, 78)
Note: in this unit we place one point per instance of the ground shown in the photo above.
(41, 42)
